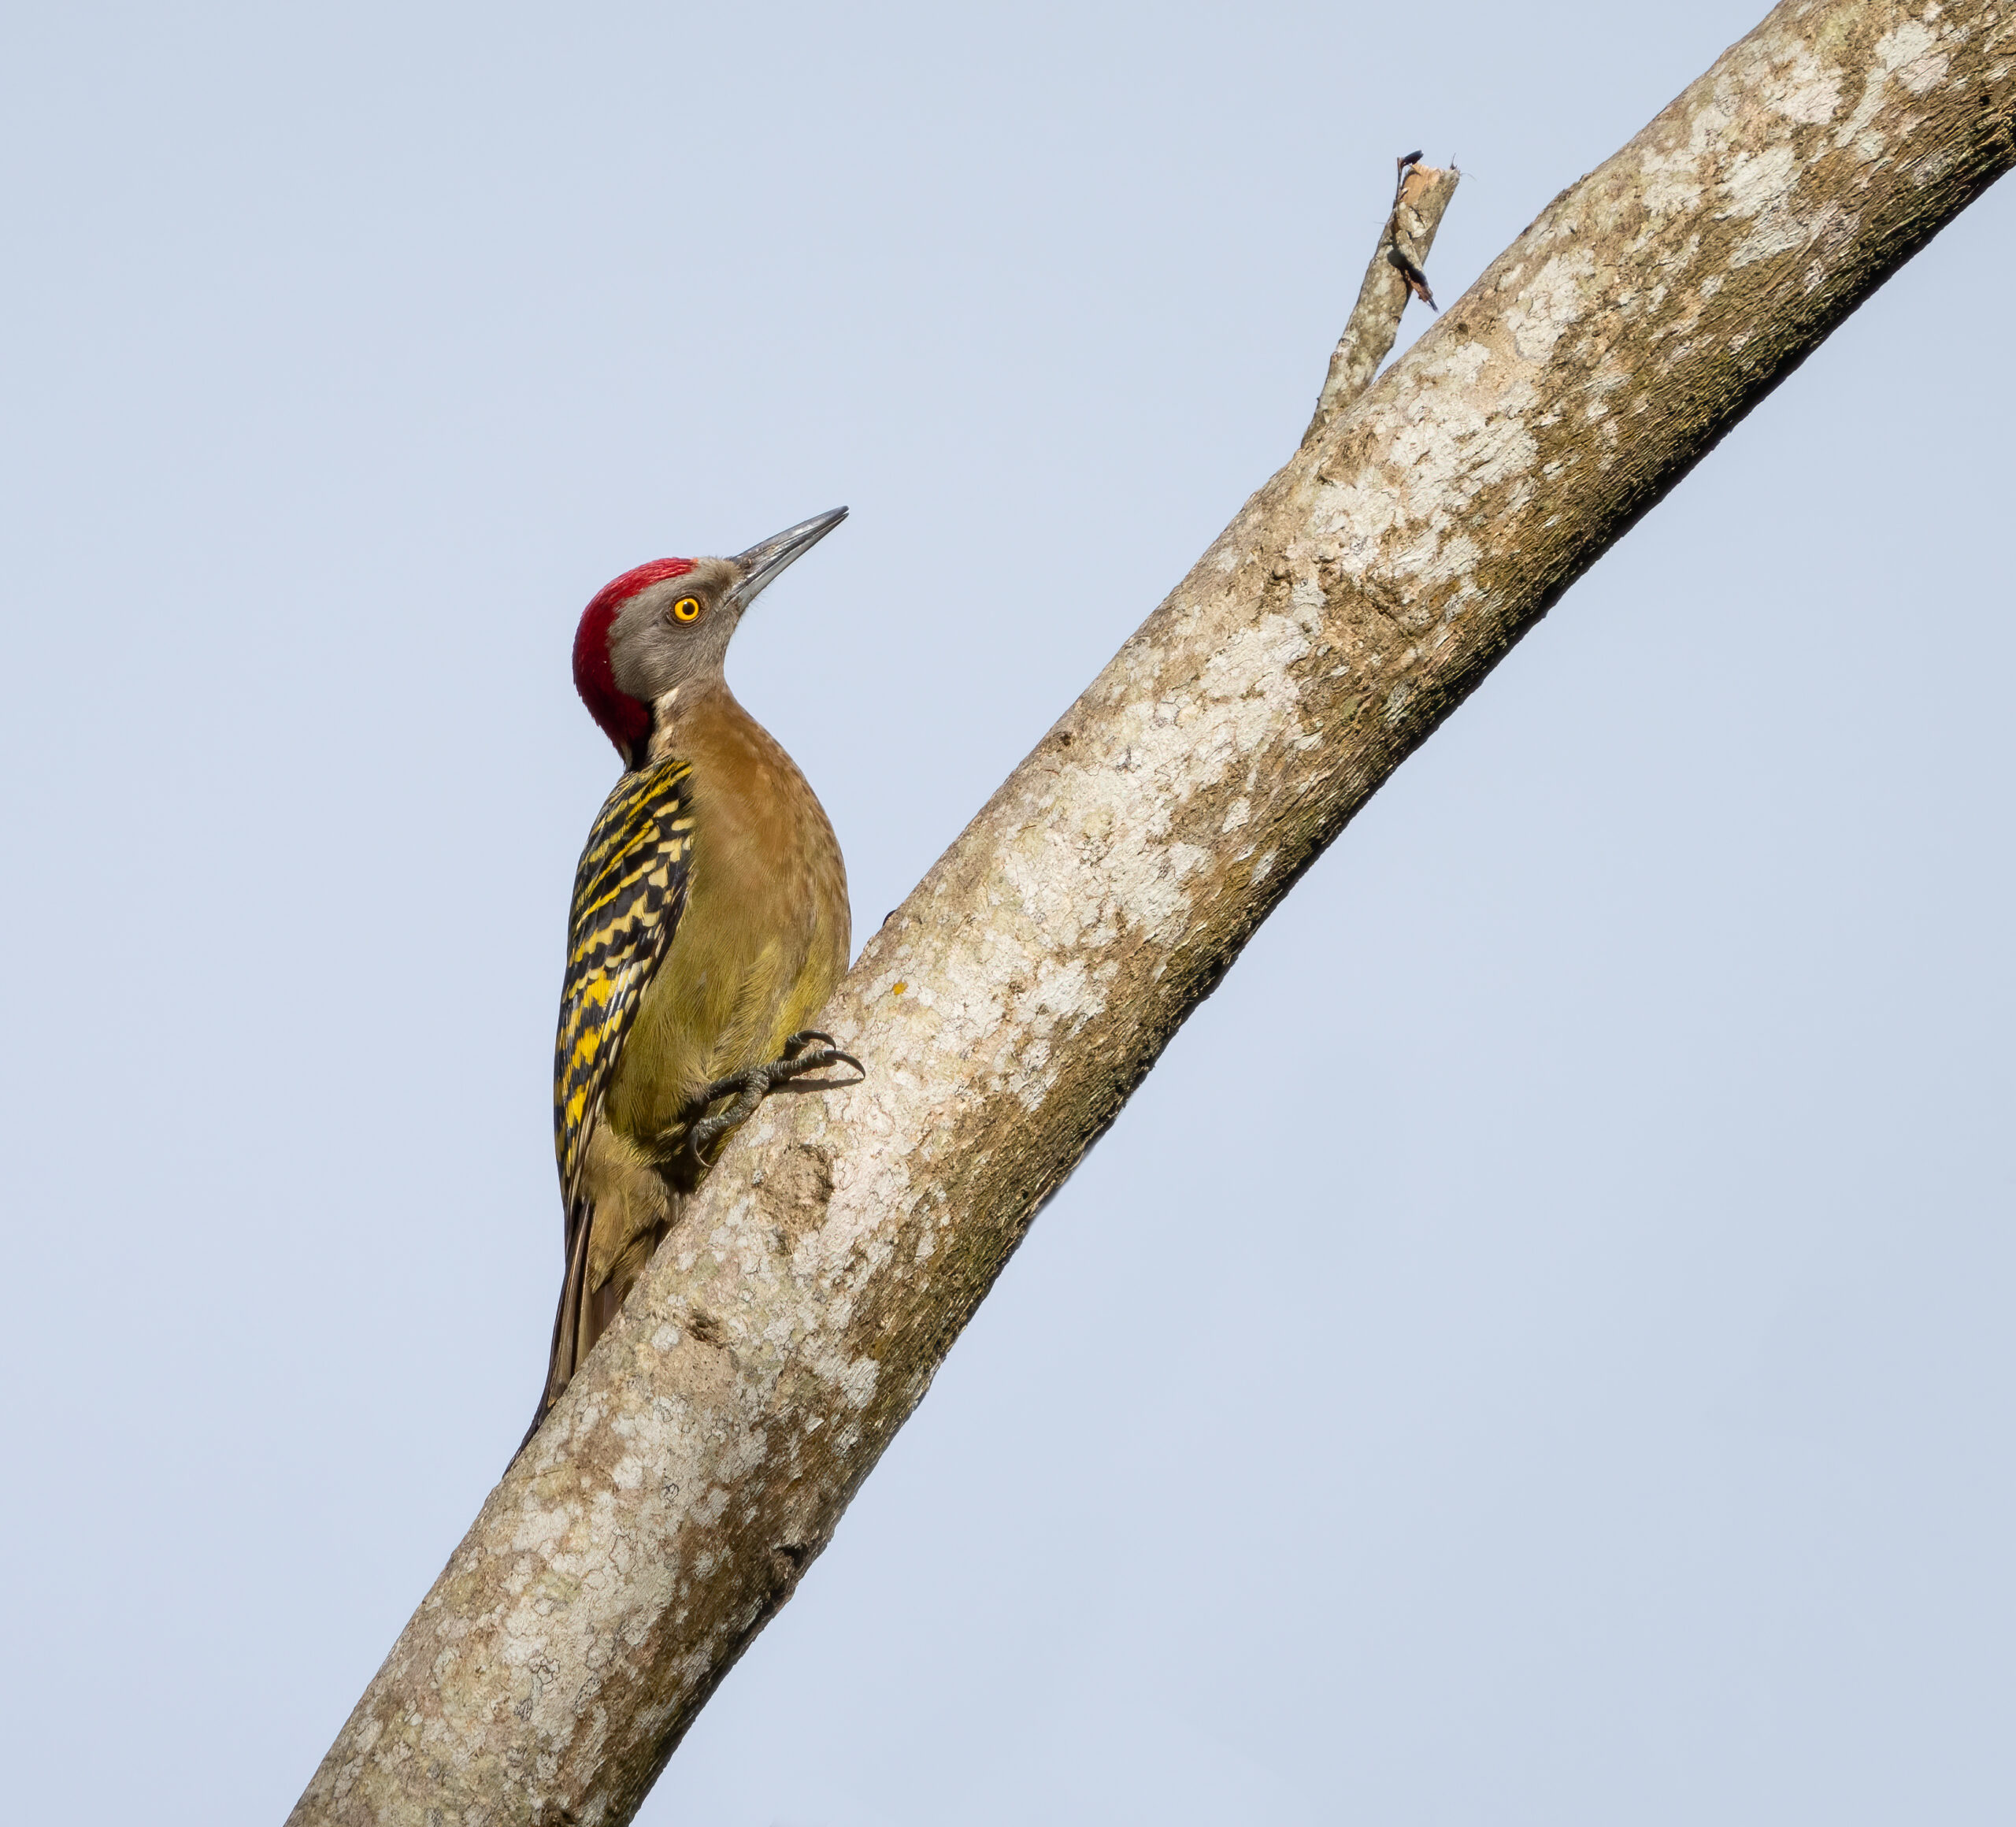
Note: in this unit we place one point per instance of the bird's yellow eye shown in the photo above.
(686, 608)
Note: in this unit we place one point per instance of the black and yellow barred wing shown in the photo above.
(629, 892)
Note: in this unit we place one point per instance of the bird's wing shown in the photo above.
(629, 892)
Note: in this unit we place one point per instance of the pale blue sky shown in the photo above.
(1609, 1416)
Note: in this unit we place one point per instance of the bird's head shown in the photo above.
(667, 624)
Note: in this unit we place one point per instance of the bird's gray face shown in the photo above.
(675, 633)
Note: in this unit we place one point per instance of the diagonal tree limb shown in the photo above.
(704, 1454)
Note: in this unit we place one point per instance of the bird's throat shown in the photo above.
(673, 712)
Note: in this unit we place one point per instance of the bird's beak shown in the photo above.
(760, 564)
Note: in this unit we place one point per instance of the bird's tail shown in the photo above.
(585, 1314)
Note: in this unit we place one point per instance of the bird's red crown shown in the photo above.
(624, 720)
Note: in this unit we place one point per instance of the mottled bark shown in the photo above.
(1421, 199)
(702, 1458)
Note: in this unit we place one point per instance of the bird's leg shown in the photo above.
(750, 1087)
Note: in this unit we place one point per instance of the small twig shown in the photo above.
(1398, 234)
(1397, 272)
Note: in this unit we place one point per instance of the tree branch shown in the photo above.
(702, 1456)
(1395, 271)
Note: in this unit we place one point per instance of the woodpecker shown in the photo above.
(709, 925)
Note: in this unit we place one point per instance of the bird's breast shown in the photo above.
(764, 938)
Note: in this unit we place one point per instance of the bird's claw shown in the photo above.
(749, 1088)
(802, 1039)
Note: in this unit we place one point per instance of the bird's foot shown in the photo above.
(808, 1051)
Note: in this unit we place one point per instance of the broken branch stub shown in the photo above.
(701, 1457)
(1397, 270)
(1409, 232)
